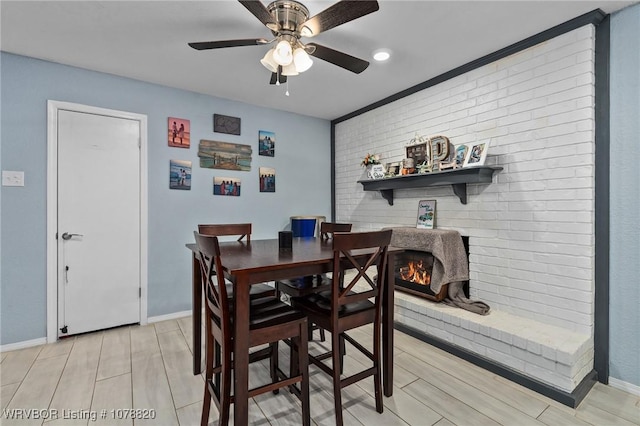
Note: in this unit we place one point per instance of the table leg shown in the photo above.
(241, 351)
(196, 283)
(387, 328)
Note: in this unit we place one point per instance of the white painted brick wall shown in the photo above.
(531, 230)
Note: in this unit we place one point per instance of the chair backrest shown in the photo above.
(346, 246)
(215, 291)
(227, 229)
(328, 228)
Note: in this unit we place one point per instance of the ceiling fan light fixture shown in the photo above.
(282, 53)
(268, 61)
(290, 70)
(301, 60)
(306, 32)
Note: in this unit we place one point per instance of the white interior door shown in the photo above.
(98, 222)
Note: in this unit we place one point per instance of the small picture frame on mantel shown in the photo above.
(426, 214)
(477, 154)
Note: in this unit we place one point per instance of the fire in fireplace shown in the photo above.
(413, 274)
(416, 272)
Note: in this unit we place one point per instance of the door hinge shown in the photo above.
(140, 292)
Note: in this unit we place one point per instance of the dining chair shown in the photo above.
(270, 320)
(242, 230)
(303, 286)
(258, 293)
(347, 306)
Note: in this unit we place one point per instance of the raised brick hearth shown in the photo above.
(549, 354)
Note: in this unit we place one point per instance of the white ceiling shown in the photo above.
(147, 40)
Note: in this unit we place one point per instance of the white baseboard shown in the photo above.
(625, 386)
(23, 345)
(167, 317)
(43, 340)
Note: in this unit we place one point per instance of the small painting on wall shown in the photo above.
(266, 143)
(179, 132)
(267, 179)
(426, 214)
(179, 174)
(226, 186)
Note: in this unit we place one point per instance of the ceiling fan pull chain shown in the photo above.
(287, 92)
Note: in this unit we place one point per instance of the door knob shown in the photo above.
(67, 236)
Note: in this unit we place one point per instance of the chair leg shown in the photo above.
(294, 360)
(303, 368)
(225, 391)
(377, 381)
(273, 364)
(216, 362)
(210, 360)
(310, 331)
(336, 367)
(343, 352)
(206, 406)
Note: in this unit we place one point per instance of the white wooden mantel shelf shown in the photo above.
(458, 179)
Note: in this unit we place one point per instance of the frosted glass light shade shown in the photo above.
(289, 70)
(282, 53)
(268, 61)
(302, 60)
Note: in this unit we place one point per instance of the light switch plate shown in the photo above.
(12, 178)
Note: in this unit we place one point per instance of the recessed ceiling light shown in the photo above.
(381, 55)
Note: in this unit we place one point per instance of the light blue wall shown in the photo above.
(625, 196)
(302, 164)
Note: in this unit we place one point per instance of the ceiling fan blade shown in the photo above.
(337, 14)
(206, 45)
(261, 12)
(340, 59)
(274, 76)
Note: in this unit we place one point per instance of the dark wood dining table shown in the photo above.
(261, 261)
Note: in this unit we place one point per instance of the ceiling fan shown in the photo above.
(289, 21)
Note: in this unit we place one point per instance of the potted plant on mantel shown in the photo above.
(375, 170)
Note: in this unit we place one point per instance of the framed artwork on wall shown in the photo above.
(226, 124)
(224, 155)
(226, 186)
(179, 132)
(477, 154)
(179, 174)
(267, 179)
(426, 214)
(266, 143)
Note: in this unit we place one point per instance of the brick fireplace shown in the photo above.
(530, 231)
(413, 273)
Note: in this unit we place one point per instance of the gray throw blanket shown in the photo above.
(457, 298)
(450, 265)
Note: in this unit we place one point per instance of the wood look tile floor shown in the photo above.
(149, 368)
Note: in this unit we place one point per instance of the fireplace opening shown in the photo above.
(413, 274)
